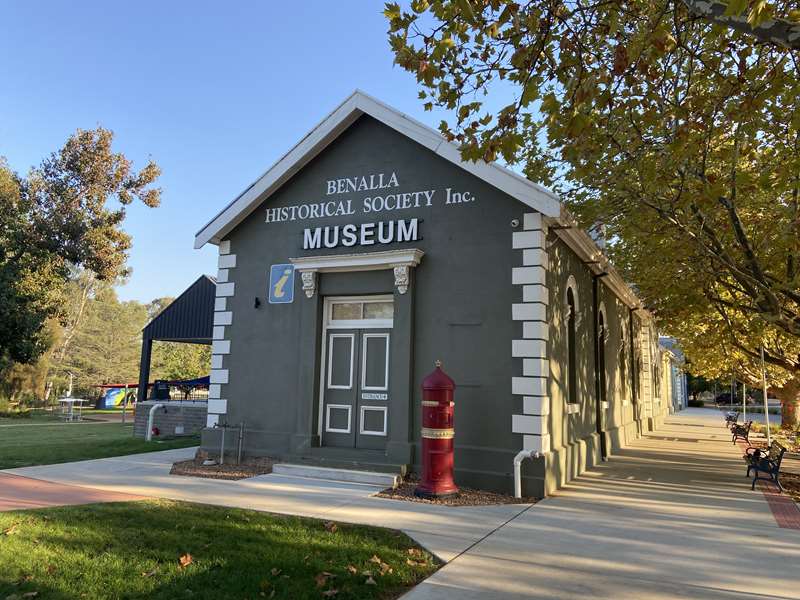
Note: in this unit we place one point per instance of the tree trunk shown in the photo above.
(789, 395)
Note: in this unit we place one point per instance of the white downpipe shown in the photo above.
(521, 455)
(149, 433)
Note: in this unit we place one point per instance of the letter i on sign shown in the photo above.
(281, 284)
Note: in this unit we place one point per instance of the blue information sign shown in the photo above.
(281, 284)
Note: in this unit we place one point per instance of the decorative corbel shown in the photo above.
(401, 278)
(309, 282)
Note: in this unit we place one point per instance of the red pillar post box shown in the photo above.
(437, 436)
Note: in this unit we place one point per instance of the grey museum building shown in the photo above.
(371, 250)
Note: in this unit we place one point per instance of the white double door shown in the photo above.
(356, 382)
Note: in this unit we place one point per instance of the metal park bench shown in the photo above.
(766, 461)
(731, 417)
(741, 432)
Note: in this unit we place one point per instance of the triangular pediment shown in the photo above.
(331, 127)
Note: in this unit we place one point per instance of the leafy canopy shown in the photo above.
(67, 213)
(680, 136)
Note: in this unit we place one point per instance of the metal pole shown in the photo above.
(241, 440)
(222, 446)
(744, 402)
(764, 388)
(124, 403)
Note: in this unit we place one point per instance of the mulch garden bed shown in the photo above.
(466, 496)
(231, 471)
(791, 483)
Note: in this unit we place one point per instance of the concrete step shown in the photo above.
(349, 475)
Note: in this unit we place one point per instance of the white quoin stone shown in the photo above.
(535, 293)
(212, 420)
(216, 362)
(532, 221)
(218, 333)
(222, 275)
(530, 424)
(214, 390)
(226, 261)
(220, 303)
(536, 405)
(535, 330)
(225, 289)
(528, 349)
(225, 247)
(528, 311)
(221, 347)
(217, 406)
(535, 367)
(527, 275)
(528, 386)
(527, 239)
(536, 443)
(223, 318)
(533, 257)
(219, 376)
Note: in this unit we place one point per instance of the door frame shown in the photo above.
(330, 324)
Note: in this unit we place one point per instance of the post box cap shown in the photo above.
(438, 380)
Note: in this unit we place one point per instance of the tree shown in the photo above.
(680, 136)
(106, 346)
(56, 219)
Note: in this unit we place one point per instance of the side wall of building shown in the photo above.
(611, 411)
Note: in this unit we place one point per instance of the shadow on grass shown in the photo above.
(132, 550)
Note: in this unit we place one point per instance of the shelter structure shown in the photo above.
(189, 319)
(369, 251)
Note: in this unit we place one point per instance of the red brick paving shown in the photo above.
(785, 510)
(19, 493)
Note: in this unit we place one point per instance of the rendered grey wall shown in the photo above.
(459, 307)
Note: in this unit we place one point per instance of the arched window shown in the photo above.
(572, 352)
(601, 354)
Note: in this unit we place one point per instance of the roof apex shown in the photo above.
(326, 131)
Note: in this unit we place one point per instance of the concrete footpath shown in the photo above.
(671, 517)
(445, 531)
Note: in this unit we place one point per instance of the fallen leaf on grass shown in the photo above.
(352, 569)
(415, 563)
(11, 530)
(414, 551)
(275, 571)
(376, 559)
(185, 560)
(370, 581)
(331, 526)
(30, 594)
(330, 593)
(151, 573)
(322, 578)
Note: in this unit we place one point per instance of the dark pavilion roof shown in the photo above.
(190, 317)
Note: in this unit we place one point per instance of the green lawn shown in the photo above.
(32, 416)
(45, 444)
(134, 549)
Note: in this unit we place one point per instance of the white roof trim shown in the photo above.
(358, 103)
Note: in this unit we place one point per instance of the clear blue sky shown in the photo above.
(213, 92)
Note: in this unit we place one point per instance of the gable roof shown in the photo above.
(188, 318)
(314, 142)
(359, 103)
